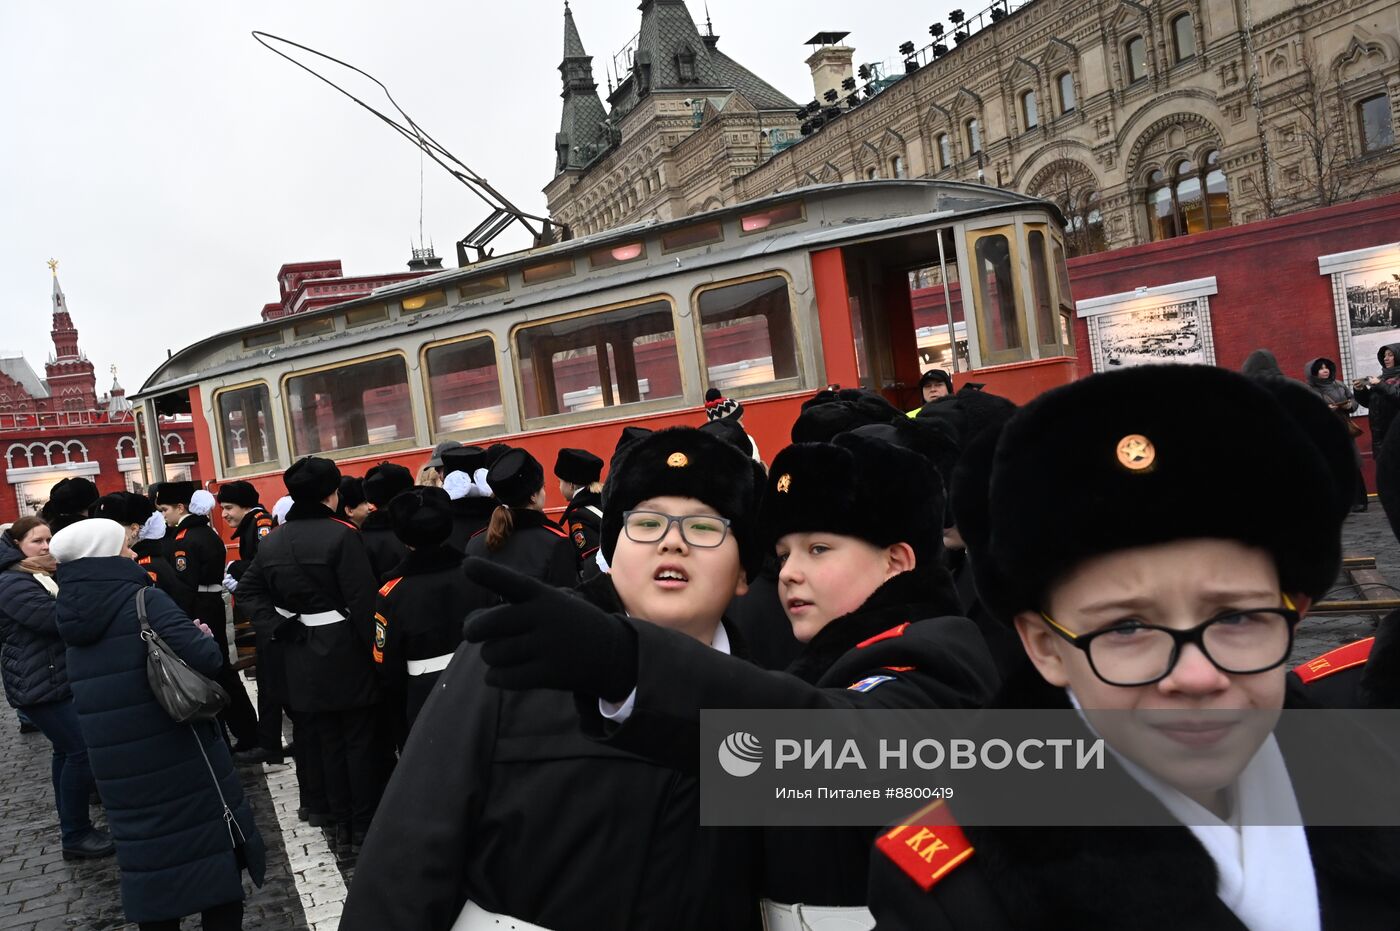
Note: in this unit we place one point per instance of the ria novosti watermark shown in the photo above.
(1046, 768)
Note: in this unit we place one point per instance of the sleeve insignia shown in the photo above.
(926, 852)
(579, 539)
(868, 683)
(180, 563)
(380, 632)
(389, 586)
(264, 530)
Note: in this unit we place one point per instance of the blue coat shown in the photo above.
(174, 850)
(31, 652)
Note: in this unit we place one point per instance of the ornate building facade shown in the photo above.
(1145, 121)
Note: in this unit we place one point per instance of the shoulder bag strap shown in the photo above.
(230, 821)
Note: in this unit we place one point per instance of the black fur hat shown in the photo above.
(352, 492)
(578, 466)
(421, 516)
(1119, 460)
(629, 436)
(515, 477)
(70, 496)
(731, 431)
(124, 507)
(311, 478)
(494, 452)
(176, 493)
(464, 459)
(684, 462)
(384, 481)
(836, 412)
(856, 486)
(241, 494)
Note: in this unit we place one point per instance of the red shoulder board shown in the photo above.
(887, 635)
(346, 523)
(926, 852)
(181, 534)
(555, 530)
(143, 561)
(1333, 661)
(389, 586)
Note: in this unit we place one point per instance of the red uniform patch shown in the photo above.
(389, 586)
(926, 852)
(1334, 661)
(887, 635)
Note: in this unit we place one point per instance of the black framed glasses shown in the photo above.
(702, 530)
(1239, 643)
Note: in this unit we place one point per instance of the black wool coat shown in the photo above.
(939, 661)
(33, 659)
(251, 530)
(315, 563)
(383, 547)
(1146, 879)
(536, 547)
(499, 797)
(197, 553)
(150, 556)
(582, 520)
(173, 848)
(469, 517)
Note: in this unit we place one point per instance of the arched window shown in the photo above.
(1374, 120)
(974, 136)
(1191, 199)
(872, 174)
(1135, 50)
(1028, 110)
(1066, 83)
(945, 151)
(1183, 37)
(897, 166)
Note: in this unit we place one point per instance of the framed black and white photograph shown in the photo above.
(1151, 326)
(1366, 292)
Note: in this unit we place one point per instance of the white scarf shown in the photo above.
(1261, 855)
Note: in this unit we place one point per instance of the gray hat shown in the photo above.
(444, 446)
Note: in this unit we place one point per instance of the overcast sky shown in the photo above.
(172, 164)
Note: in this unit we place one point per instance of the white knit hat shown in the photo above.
(95, 536)
(201, 502)
(153, 528)
(280, 509)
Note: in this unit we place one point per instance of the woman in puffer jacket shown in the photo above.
(36, 678)
(166, 786)
(1322, 379)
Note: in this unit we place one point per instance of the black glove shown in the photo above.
(544, 637)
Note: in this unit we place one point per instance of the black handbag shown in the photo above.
(184, 693)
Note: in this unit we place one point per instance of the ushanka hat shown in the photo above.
(465, 459)
(239, 494)
(421, 516)
(856, 486)
(70, 496)
(684, 462)
(515, 478)
(352, 492)
(1117, 461)
(384, 481)
(577, 466)
(312, 478)
(124, 507)
(176, 493)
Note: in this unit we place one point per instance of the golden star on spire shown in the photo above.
(53, 266)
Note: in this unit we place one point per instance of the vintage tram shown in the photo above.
(863, 283)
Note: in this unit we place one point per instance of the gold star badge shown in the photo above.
(678, 460)
(1136, 453)
(784, 483)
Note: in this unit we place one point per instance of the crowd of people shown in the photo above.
(498, 713)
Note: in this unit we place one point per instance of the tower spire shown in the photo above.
(583, 131)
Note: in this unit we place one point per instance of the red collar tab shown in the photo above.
(389, 586)
(1334, 661)
(887, 635)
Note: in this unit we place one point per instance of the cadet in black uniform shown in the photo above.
(418, 618)
(500, 807)
(579, 472)
(145, 533)
(471, 506)
(312, 590)
(520, 536)
(1144, 557)
(855, 524)
(354, 507)
(250, 523)
(383, 547)
(194, 548)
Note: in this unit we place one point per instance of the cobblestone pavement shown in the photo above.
(306, 884)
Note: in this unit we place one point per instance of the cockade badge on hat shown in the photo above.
(678, 460)
(1136, 452)
(784, 483)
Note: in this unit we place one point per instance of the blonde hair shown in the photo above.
(428, 477)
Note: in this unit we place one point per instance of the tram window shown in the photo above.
(363, 316)
(1047, 326)
(479, 287)
(463, 385)
(259, 340)
(548, 271)
(996, 296)
(1066, 299)
(620, 254)
(598, 360)
(317, 327)
(931, 303)
(422, 302)
(688, 237)
(781, 215)
(245, 426)
(747, 332)
(360, 404)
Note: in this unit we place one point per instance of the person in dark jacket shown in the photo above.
(69, 501)
(33, 663)
(383, 547)
(1380, 394)
(194, 548)
(354, 507)
(145, 535)
(1146, 605)
(855, 524)
(580, 474)
(1322, 378)
(472, 500)
(519, 535)
(167, 787)
(501, 812)
(418, 617)
(311, 590)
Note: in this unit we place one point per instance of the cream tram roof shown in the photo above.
(833, 214)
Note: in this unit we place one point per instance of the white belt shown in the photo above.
(421, 667)
(476, 918)
(799, 917)
(314, 619)
(214, 589)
